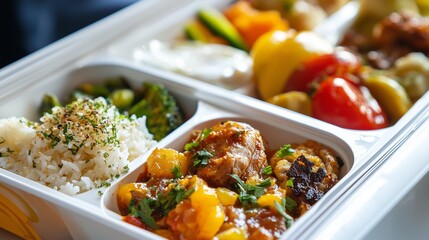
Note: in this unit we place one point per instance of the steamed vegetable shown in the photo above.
(160, 108)
(219, 25)
(48, 102)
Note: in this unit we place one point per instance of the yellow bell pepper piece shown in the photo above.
(277, 54)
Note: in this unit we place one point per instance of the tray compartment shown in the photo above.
(276, 135)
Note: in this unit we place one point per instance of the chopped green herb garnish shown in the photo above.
(162, 204)
(268, 170)
(249, 194)
(289, 182)
(286, 150)
(203, 135)
(201, 158)
(176, 172)
(100, 193)
(125, 169)
(281, 209)
(265, 183)
(143, 210)
(104, 184)
(290, 204)
(169, 201)
(191, 145)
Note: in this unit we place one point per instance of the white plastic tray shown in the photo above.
(85, 56)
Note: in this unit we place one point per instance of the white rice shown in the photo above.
(76, 148)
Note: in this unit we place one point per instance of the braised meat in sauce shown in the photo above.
(233, 148)
(224, 186)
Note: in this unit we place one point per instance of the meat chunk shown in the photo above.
(393, 37)
(228, 148)
(396, 36)
(403, 29)
(305, 181)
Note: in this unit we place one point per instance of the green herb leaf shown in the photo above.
(143, 210)
(169, 201)
(176, 172)
(268, 170)
(289, 182)
(249, 194)
(286, 150)
(203, 135)
(265, 183)
(281, 209)
(201, 158)
(290, 204)
(191, 145)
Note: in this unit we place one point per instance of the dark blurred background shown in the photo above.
(28, 25)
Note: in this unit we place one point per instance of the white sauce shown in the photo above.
(213, 63)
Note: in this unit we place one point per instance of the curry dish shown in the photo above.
(226, 184)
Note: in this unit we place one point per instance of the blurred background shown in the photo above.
(29, 25)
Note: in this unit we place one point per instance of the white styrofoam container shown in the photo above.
(85, 56)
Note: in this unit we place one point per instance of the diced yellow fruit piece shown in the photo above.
(391, 96)
(210, 214)
(232, 234)
(226, 196)
(268, 200)
(294, 100)
(162, 160)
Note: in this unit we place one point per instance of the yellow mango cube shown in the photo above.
(226, 196)
(268, 200)
(162, 160)
(232, 234)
